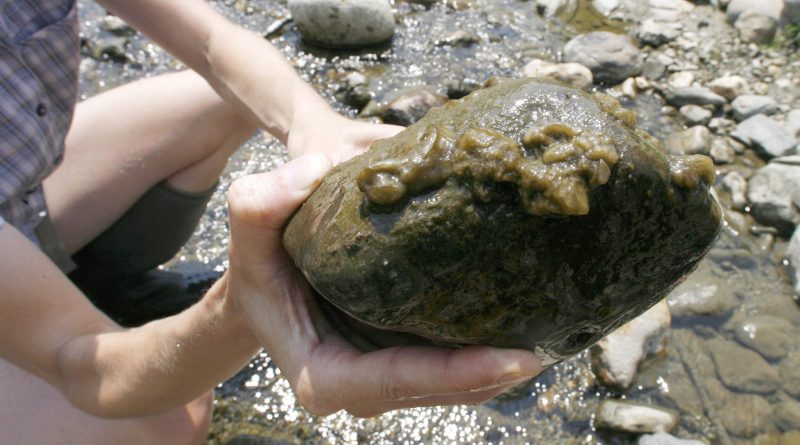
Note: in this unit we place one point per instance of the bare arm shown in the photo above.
(48, 328)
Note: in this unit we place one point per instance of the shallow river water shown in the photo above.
(257, 405)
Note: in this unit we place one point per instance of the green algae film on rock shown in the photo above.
(527, 214)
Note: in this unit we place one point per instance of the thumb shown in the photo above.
(259, 206)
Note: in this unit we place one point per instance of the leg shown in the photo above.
(34, 412)
(126, 140)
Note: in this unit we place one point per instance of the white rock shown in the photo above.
(666, 439)
(793, 123)
(730, 87)
(574, 74)
(755, 27)
(748, 105)
(681, 79)
(695, 115)
(695, 140)
(343, 23)
(770, 8)
(611, 57)
(634, 417)
(617, 357)
(735, 184)
(766, 135)
(722, 151)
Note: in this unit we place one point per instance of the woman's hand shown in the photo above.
(335, 136)
(326, 373)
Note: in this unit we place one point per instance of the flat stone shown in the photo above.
(617, 357)
(695, 140)
(343, 23)
(666, 439)
(633, 417)
(789, 369)
(755, 27)
(611, 57)
(730, 87)
(757, 377)
(770, 336)
(573, 74)
(765, 135)
(774, 194)
(695, 115)
(679, 97)
(749, 105)
(698, 299)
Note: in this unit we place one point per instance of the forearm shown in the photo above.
(159, 366)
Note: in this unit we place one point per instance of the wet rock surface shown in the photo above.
(398, 237)
(742, 369)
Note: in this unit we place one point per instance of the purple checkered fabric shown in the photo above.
(39, 56)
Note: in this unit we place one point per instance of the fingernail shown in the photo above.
(305, 172)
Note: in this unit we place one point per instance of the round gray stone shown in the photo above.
(611, 57)
(343, 23)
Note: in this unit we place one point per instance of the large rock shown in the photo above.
(765, 135)
(527, 214)
(343, 23)
(631, 417)
(616, 358)
(700, 299)
(757, 376)
(574, 74)
(755, 27)
(774, 194)
(611, 57)
(748, 105)
(770, 8)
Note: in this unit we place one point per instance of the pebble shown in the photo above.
(790, 373)
(681, 79)
(766, 135)
(722, 152)
(459, 38)
(757, 377)
(749, 105)
(574, 74)
(656, 33)
(616, 358)
(695, 115)
(730, 87)
(745, 415)
(654, 68)
(611, 57)
(735, 184)
(679, 97)
(695, 140)
(411, 106)
(769, 336)
(354, 90)
(755, 27)
(770, 8)
(699, 299)
(665, 439)
(556, 8)
(633, 417)
(343, 23)
(774, 193)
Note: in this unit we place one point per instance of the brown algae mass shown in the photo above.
(527, 214)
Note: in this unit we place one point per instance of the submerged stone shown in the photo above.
(527, 214)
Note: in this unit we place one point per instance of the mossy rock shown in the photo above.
(527, 214)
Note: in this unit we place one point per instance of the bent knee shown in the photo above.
(185, 426)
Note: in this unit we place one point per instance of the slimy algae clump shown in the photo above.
(527, 214)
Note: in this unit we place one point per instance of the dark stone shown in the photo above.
(527, 214)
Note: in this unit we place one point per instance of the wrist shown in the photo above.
(228, 312)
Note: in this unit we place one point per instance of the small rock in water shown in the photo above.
(617, 357)
(679, 97)
(745, 415)
(735, 184)
(756, 376)
(770, 336)
(343, 23)
(633, 417)
(730, 87)
(766, 135)
(574, 74)
(666, 439)
(755, 27)
(774, 193)
(695, 115)
(410, 106)
(748, 105)
(459, 38)
(699, 299)
(770, 8)
(695, 140)
(790, 373)
(611, 57)
(722, 152)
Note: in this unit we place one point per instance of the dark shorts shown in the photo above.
(147, 235)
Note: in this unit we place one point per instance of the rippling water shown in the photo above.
(257, 405)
